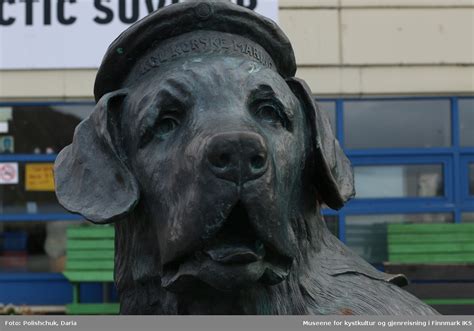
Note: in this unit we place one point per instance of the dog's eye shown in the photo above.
(162, 127)
(271, 115)
(166, 125)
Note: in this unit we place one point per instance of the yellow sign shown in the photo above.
(39, 177)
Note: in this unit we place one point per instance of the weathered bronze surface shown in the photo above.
(213, 161)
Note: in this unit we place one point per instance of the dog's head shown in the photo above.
(213, 161)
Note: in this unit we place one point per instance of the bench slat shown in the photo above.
(430, 228)
(453, 247)
(433, 258)
(92, 244)
(90, 255)
(93, 309)
(449, 301)
(445, 237)
(89, 276)
(74, 265)
(91, 232)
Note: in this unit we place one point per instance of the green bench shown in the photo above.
(439, 261)
(90, 259)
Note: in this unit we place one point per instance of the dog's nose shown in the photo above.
(237, 156)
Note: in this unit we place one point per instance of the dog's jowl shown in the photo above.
(212, 161)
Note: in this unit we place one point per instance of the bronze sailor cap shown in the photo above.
(183, 29)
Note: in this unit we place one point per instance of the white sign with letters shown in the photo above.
(41, 34)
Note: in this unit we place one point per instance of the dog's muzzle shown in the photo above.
(232, 248)
(238, 157)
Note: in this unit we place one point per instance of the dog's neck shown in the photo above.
(285, 298)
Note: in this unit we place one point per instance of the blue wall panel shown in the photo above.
(44, 289)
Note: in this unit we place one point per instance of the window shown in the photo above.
(468, 217)
(466, 120)
(392, 181)
(39, 129)
(34, 192)
(401, 124)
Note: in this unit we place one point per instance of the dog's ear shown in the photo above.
(333, 174)
(90, 175)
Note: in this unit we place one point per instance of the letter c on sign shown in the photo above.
(61, 18)
(6, 21)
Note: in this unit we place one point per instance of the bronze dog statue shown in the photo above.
(212, 160)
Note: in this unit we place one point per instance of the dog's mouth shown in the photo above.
(236, 243)
(235, 257)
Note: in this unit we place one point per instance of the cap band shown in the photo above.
(204, 43)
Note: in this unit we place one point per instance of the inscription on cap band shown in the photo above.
(205, 45)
